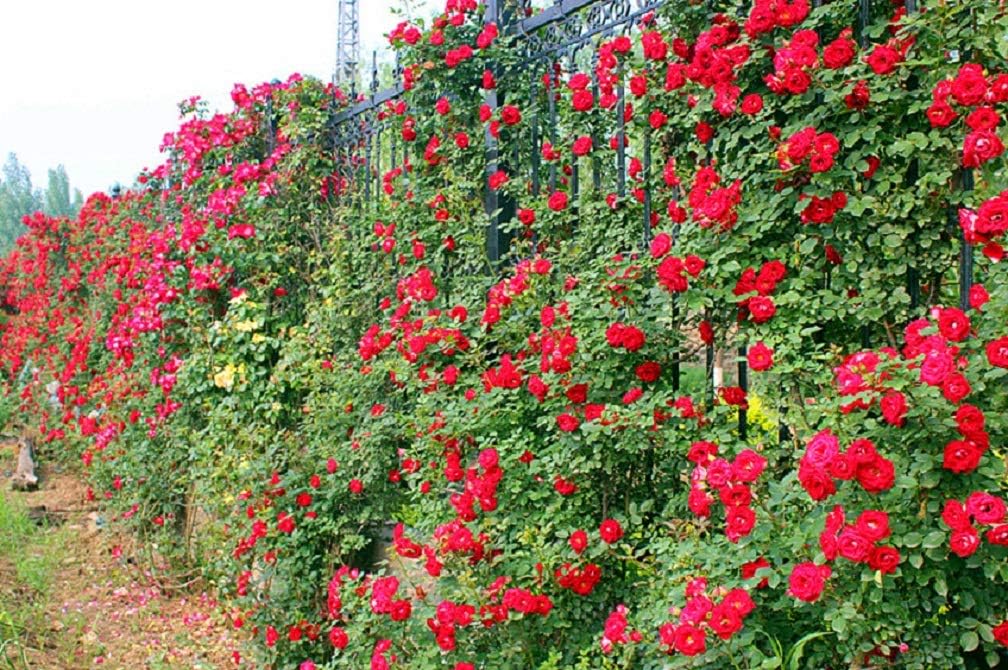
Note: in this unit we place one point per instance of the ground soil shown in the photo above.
(105, 608)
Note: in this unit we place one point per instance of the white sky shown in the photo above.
(93, 84)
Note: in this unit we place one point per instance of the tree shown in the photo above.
(18, 198)
(57, 200)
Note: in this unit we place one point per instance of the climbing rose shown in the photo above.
(760, 357)
(578, 541)
(807, 581)
(610, 531)
(558, 201)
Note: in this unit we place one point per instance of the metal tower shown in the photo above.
(347, 44)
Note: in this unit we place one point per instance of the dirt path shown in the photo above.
(71, 597)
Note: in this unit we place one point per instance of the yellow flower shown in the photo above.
(225, 378)
(245, 326)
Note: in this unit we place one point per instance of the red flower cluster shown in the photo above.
(714, 206)
(972, 89)
(672, 270)
(987, 224)
(626, 336)
(760, 307)
(807, 581)
(858, 542)
(823, 462)
(701, 614)
(615, 630)
(580, 580)
(982, 508)
(792, 63)
(822, 210)
(819, 149)
(730, 480)
(766, 15)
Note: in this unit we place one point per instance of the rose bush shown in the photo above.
(305, 373)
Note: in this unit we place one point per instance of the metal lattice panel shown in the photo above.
(347, 43)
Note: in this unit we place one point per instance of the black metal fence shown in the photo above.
(563, 34)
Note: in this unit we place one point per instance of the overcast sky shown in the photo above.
(94, 84)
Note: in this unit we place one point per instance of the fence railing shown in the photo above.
(563, 35)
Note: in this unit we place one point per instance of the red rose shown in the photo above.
(978, 296)
(725, 621)
(955, 388)
(997, 352)
(1000, 632)
(853, 546)
(497, 179)
(632, 338)
(760, 357)
(807, 581)
(510, 115)
(690, 640)
(894, 408)
(883, 59)
(964, 542)
(940, 114)
(962, 456)
(998, 535)
(557, 201)
(954, 515)
(610, 531)
(632, 395)
(884, 559)
(838, 53)
(567, 422)
(873, 525)
(750, 569)
(578, 541)
(706, 332)
(762, 309)
(877, 475)
(752, 104)
(981, 146)
(648, 371)
(739, 522)
(638, 85)
(660, 245)
(969, 87)
(582, 146)
(582, 100)
(338, 638)
(985, 508)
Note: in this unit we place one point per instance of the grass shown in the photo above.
(29, 557)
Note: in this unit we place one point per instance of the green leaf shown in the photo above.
(969, 640)
(934, 539)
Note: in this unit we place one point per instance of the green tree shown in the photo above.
(18, 198)
(56, 199)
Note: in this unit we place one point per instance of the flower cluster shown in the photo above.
(858, 542)
(730, 480)
(824, 462)
(700, 614)
(982, 508)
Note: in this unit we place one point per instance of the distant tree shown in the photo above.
(18, 198)
(57, 200)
